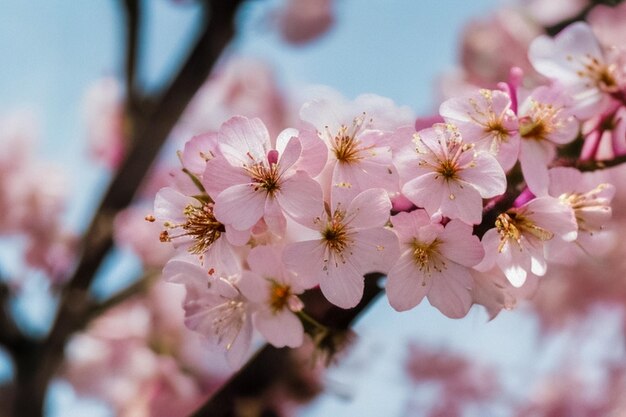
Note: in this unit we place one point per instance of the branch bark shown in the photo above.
(36, 362)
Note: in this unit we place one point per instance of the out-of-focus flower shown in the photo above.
(240, 86)
(104, 118)
(301, 21)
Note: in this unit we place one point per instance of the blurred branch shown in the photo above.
(131, 9)
(259, 373)
(10, 335)
(554, 29)
(37, 362)
(140, 286)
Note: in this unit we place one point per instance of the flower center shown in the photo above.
(541, 121)
(265, 178)
(427, 257)
(201, 226)
(588, 205)
(345, 144)
(335, 234)
(598, 73)
(279, 296)
(511, 226)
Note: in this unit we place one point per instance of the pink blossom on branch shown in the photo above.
(434, 262)
(250, 181)
(443, 174)
(351, 241)
(274, 294)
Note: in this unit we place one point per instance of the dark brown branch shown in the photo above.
(37, 362)
(267, 365)
(603, 164)
(554, 29)
(10, 335)
(131, 9)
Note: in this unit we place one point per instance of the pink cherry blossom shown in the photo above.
(434, 262)
(190, 225)
(251, 181)
(104, 117)
(301, 21)
(516, 244)
(357, 136)
(491, 46)
(545, 121)
(239, 85)
(441, 173)
(214, 306)
(486, 119)
(607, 23)
(575, 59)
(352, 241)
(275, 294)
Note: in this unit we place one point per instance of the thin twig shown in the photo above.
(132, 13)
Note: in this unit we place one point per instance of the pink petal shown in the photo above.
(267, 262)
(280, 329)
(306, 259)
(450, 292)
(407, 225)
(460, 245)
(374, 250)
(290, 154)
(342, 284)
(254, 286)
(240, 138)
(426, 191)
(240, 206)
(301, 198)
(371, 208)
(463, 202)
(169, 205)
(240, 347)
(274, 217)
(487, 176)
(219, 174)
(534, 158)
(406, 285)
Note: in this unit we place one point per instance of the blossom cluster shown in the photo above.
(464, 211)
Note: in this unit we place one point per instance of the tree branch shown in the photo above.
(265, 367)
(37, 362)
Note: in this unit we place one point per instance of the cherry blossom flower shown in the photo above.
(607, 23)
(190, 225)
(434, 262)
(104, 117)
(352, 241)
(491, 46)
(274, 291)
(131, 230)
(357, 136)
(250, 181)
(590, 201)
(301, 21)
(545, 121)
(486, 119)
(214, 306)
(441, 173)
(574, 58)
(240, 85)
(516, 244)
